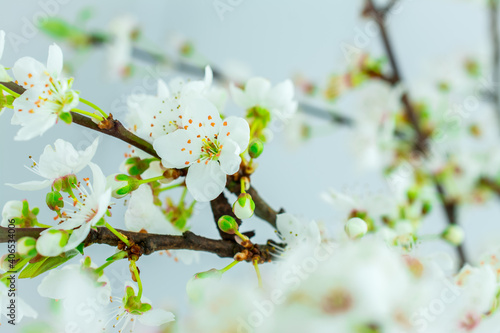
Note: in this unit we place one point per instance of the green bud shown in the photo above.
(412, 194)
(453, 234)
(256, 148)
(121, 185)
(135, 166)
(26, 247)
(426, 207)
(54, 200)
(244, 206)
(228, 224)
(66, 117)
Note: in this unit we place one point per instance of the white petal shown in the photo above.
(257, 90)
(77, 237)
(204, 115)
(156, 317)
(236, 129)
(163, 91)
(205, 181)
(29, 71)
(52, 285)
(98, 179)
(209, 76)
(39, 125)
(229, 158)
(55, 60)
(179, 148)
(31, 185)
(281, 94)
(49, 244)
(85, 156)
(239, 97)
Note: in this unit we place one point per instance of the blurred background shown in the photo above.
(277, 40)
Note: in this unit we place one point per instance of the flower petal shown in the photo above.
(179, 148)
(30, 73)
(257, 90)
(237, 130)
(55, 61)
(31, 185)
(229, 158)
(156, 317)
(77, 237)
(202, 117)
(205, 181)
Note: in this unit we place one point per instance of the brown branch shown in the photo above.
(151, 243)
(449, 206)
(114, 128)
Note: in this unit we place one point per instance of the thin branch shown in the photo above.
(421, 141)
(151, 243)
(495, 44)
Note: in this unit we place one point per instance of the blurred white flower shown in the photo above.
(4, 77)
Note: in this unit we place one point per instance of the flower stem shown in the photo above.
(103, 266)
(137, 277)
(242, 185)
(117, 234)
(86, 113)
(144, 181)
(9, 91)
(183, 196)
(169, 187)
(259, 277)
(228, 267)
(95, 107)
(240, 235)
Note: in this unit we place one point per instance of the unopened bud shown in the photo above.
(54, 200)
(255, 148)
(26, 246)
(453, 234)
(228, 224)
(121, 185)
(135, 166)
(356, 228)
(51, 242)
(244, 206)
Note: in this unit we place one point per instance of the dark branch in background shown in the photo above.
(495, 45)
(151, 243)
(421, 140)
(191, 69)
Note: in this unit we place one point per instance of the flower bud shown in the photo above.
(228, 224)
(200, 282)
(453, 234)
(54, 200)
(121, 185)
(135, 166)
(356, 228)
(12, 210)
(244, 206)
(51, 242)
(26, 246)
(255, 148)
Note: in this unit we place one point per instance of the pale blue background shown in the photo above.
(276, 39)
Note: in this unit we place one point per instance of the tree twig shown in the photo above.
(151, 243)
(421, 140)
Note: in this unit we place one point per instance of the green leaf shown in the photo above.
(33, 270)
